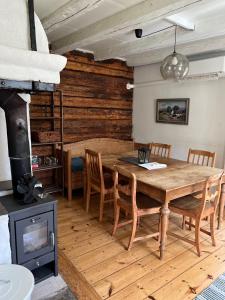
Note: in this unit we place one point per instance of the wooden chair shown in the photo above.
(198, 210)
(135, 205)
(201, 157)
(97, 181)
(162, 150)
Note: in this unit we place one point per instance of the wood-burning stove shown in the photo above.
(33, 235)
(33, 226)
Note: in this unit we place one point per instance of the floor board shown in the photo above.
(97, 265)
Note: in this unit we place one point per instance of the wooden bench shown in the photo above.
(76, 180)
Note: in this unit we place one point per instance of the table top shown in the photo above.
(177, 175)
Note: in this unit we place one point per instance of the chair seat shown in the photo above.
(189, 206)
(145, 204)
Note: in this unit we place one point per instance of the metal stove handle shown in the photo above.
(52, 239)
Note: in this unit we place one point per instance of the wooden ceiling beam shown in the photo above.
(71, 10)
(197, 47)
(123, 21)
(204, 30)
(181, 22)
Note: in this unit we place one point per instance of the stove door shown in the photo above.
(34, 236)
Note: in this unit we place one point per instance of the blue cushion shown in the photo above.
(77, 164)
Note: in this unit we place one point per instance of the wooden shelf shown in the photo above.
(45, 105)
(53, 189)
(45, 118)
(44, 168)
(46, 143)
(50, 148)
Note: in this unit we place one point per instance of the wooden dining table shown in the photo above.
(178, 179)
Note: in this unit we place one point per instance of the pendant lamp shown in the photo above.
(176, 65)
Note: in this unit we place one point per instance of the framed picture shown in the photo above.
(172, 111)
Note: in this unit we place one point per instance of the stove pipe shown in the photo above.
(15, 109)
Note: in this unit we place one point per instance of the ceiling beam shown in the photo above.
(197, 47)
(205, 29)
(123, 21)
(179, 21)
(70, 10)
(114, 48)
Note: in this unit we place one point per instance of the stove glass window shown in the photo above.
(35, 236)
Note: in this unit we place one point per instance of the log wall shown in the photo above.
(96, 101)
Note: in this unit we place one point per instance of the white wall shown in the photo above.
(206, 128)
(15, 31)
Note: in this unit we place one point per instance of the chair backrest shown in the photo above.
(125, 186)
(201, 157)
(94, 168)
(211, 192)
(162, 150)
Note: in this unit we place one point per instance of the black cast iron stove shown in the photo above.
(32, 214)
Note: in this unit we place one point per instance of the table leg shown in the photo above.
(164, 225)
(221, 206)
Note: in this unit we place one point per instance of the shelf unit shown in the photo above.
(45, 118)
(46, 143)
(44, 168)
(57, 147)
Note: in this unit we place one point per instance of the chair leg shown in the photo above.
(183, 223)
(88, 196)
(138, 222)
(159, 237)
(197, 236)
(190, 223)
(212, 229)
(134, 228)
(70, 196)
(117, 217)
(84, 185)
(102, 199)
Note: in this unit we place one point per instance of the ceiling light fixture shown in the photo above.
(175, 65)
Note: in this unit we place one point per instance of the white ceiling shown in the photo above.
(44, 8)
(106, 27)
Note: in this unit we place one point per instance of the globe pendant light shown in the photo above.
(176, 65)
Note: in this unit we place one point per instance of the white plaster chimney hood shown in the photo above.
(17, 61)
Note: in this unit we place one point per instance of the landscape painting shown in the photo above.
(173, 111)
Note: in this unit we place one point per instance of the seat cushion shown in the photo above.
(77, 164)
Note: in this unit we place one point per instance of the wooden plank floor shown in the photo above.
(96, 265)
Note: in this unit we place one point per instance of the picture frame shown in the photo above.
(173, 111)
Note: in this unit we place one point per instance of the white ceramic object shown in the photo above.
(16, 283)
(5, 250)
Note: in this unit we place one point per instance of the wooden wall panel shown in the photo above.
(96, 101)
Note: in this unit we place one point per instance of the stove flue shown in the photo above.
(15, 109)
(26, 66)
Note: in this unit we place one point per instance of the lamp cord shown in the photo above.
(175, 39)
(152, 33)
